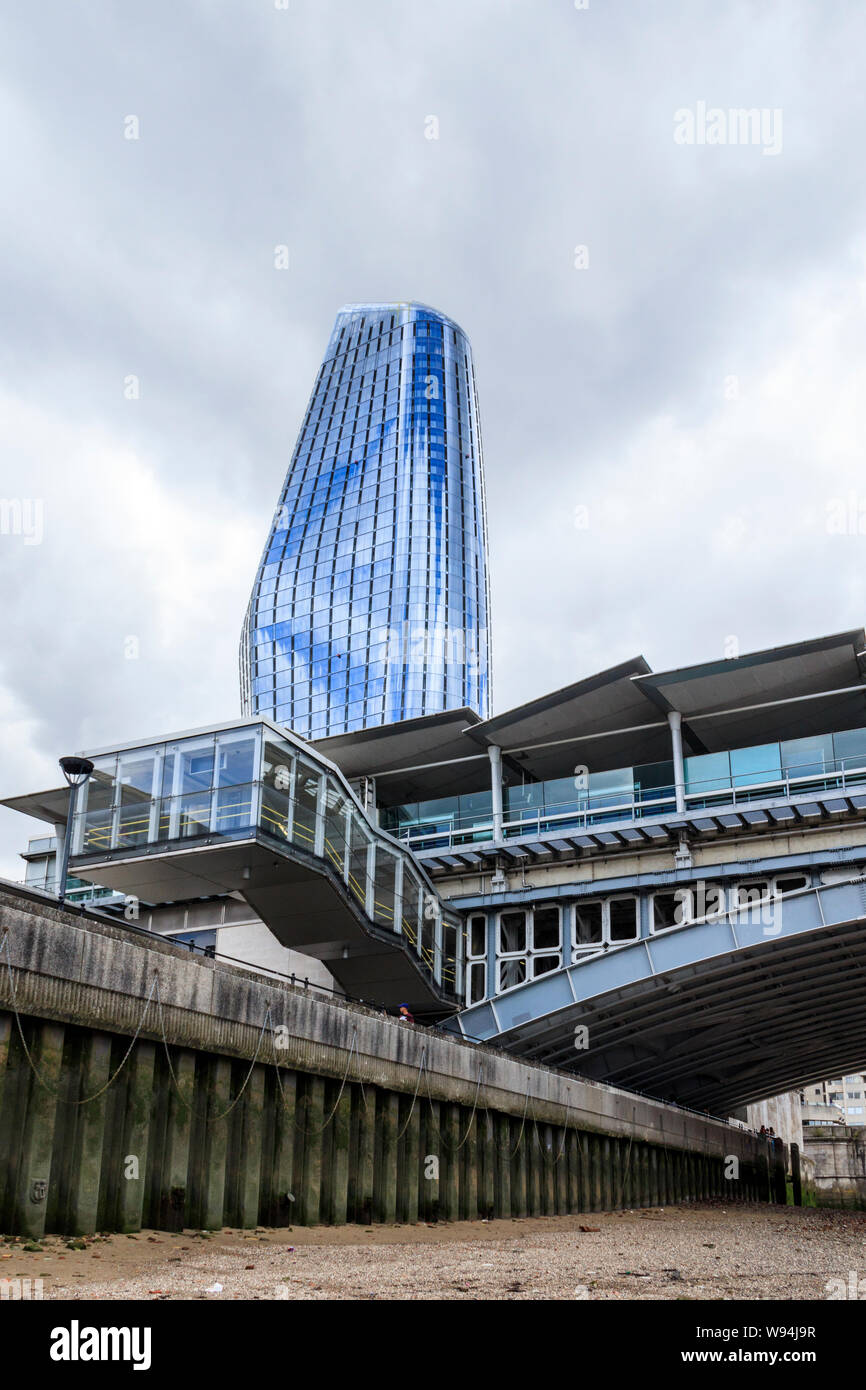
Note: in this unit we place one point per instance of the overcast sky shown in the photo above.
(668, 327)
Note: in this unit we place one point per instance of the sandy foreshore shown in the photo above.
(698, 1251)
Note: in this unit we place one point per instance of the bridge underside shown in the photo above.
(300, 900)
(714, 1016)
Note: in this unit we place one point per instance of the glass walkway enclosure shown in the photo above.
(247, 808)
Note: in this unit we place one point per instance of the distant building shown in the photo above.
(844, 1097)
(40, 857)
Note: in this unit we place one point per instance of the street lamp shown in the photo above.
(76, 771)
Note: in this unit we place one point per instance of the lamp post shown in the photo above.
(76, 771)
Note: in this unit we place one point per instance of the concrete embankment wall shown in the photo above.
(837, 1156)
(140, 1085)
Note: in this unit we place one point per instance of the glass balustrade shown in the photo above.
(237, 782)
(818, 763)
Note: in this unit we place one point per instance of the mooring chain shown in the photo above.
(320, 1129)
(440, 1136)
(625, 1170)
(541, 1143)
(565, 1129)
(55, 1094)
(506, 1147)
(421, 1069)
(511, 1152)
(564, 1135)
(202, 1115)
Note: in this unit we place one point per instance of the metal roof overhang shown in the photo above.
(604, 721)
(51, 806)
(713, 1015)
(781, 692)
(413, 759)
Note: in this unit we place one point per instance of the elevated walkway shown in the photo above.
(247, 809)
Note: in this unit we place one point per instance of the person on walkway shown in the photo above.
(404, 1015)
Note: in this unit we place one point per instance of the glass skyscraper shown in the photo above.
(371, 601)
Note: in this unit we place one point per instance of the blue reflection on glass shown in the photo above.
(384, 504)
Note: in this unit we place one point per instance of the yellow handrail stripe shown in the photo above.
(132, 824)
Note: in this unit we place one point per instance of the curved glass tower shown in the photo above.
(371, 601)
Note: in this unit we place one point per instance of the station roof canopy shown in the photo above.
(618, 718)
(413, 759)
(602, 721)
(782, 692)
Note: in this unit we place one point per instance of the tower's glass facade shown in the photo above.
(371, 600)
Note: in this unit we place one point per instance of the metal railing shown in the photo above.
(295, 799)
(836, 775)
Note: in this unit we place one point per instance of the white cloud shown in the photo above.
(126, 616)
(705, 524)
